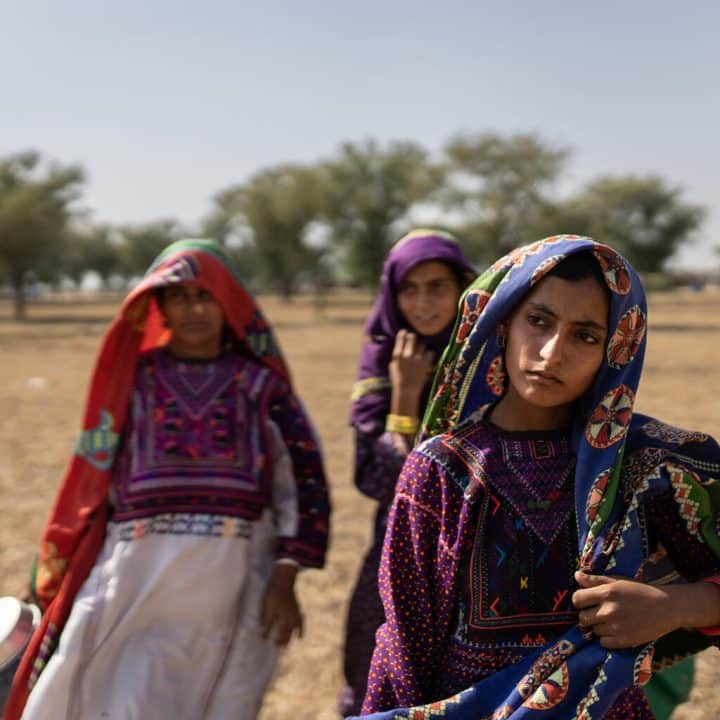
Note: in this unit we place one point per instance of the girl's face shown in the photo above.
(428, 296)
(195, 319)
(555, 344)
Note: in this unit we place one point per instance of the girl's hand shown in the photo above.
(279, 608)
(410, 369)
(26, 595)
(625, 613)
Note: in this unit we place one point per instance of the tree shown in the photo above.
(141, 244)
(366, 190)
(642, 217)
(271, 213)
(35, 206)
(91, 248)
(500, 186)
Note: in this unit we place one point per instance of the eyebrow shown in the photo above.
(438, 278)
(583, 323)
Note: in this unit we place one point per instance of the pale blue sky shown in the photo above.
(165, 103)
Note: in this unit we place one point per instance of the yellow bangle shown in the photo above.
(404, 424)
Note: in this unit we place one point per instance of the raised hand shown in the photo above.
(410, 369)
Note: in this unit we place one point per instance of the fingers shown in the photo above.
(599, 618)
(283, 633)
(594, 589)
(267, 619)
(286, 626)
(586, 580)
(408, 345)
(399, 345)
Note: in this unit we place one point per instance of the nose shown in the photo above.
(553, 349)
(423, 300)
(197, 305)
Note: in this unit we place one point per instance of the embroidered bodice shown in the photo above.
(195, 440)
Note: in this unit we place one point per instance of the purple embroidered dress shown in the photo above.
(473, 588)
(217, 478)
(377, 459)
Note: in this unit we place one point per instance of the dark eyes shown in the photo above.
(588, 337)
(433, 286)
(585, 336)
(179, 295)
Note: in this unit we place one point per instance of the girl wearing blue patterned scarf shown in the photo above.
(548, 549)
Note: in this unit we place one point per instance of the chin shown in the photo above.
(429, 330)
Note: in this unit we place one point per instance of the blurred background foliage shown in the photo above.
(294, 227)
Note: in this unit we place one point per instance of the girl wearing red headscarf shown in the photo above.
(195, 493)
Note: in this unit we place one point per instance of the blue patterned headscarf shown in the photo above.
(574, 676)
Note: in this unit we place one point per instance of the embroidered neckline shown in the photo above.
(195, 385)
(533, 474)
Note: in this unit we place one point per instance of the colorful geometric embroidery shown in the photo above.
(181, 270)
(681, 482)
(583, 708)
(473, 307)
(626, 340)
(50, 569)
(432, 710)
(195, 524)
(368, 386)
(609, 421)
(98, 445)
(643, 666)
(552, 690)
(260, 337)
(563, 238)
(502, 713)
(495, 377)
(596, 494)
(550, 661)
(515, 258)
(614, 269)
(47, 648)
(672, 435)
(544, 268)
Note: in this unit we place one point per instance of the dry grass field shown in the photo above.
(44, 366)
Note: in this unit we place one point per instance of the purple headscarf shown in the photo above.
(371, 391)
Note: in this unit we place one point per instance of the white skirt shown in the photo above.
(166, 626)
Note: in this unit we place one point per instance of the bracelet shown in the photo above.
(403, 424)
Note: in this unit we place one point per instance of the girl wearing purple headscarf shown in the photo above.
(408, 328)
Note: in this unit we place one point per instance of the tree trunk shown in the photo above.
(287, 288)
(19, 292)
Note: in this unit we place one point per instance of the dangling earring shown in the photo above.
(165, 322)
(501, 336)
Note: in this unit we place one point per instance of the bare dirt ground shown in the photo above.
(44, 366)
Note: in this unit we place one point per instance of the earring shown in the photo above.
(501, 336)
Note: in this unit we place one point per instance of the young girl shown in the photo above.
(167, 566)
(547, 549)
(409, 326)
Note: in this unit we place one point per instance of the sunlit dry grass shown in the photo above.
(44, 366)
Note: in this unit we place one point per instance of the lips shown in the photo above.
(544, 377)
(194, 326)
